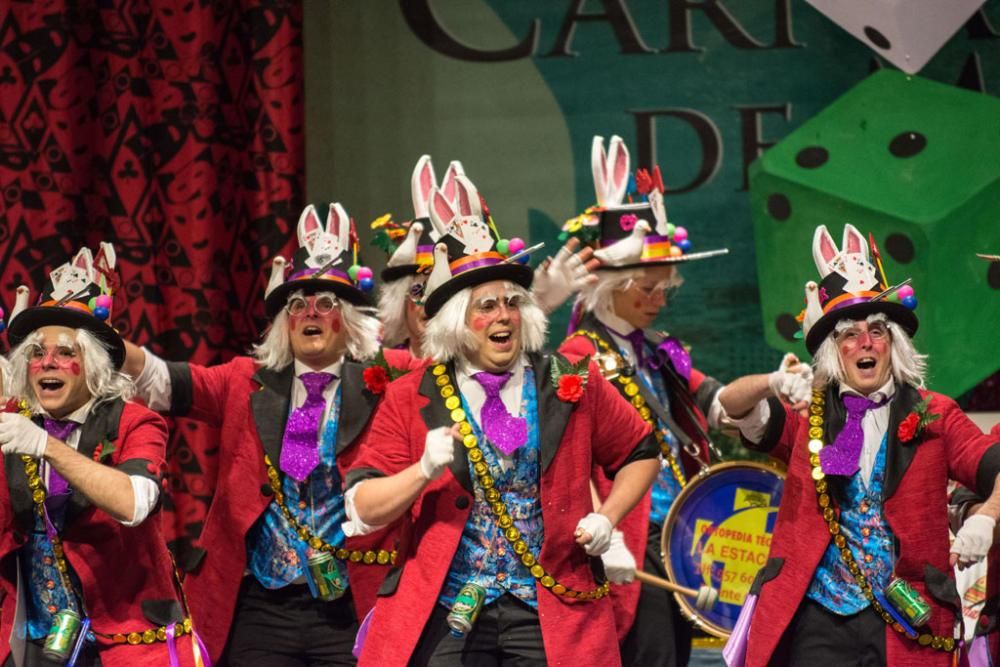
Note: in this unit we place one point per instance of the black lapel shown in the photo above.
(270, 408)
(101, 425)
(20, 495)
(553, 413)
(435, 414)
(356, 404)
(898, 455)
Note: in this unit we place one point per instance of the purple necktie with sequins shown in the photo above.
(841, 458)
(501, 428)
(60, 430)
(300, 446)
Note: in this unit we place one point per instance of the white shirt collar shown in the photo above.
(466, 368)
(617, 325)
(79, 415)
(334, 368)
(886, 391)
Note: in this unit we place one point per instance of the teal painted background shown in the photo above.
(378, 96)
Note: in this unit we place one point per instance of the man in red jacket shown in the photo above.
(487, 453)
(860, 563)
(81, 479)
(274, 575)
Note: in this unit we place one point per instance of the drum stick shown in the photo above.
(653, 580)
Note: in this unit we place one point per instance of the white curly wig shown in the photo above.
(908, 366)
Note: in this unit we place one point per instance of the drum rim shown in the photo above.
(689, 611)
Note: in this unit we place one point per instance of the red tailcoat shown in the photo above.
(602, 428)
(126, 576)
(691, 424)
(251, 405)
(915, 505)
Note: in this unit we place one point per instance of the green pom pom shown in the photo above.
(670, 230)
(353, 271)
(503, 247)
(92, 304)
(563, 237)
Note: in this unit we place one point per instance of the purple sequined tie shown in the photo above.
(841, 458)
(638, 340)
(499, 426)
(60, 430)
(300, 446)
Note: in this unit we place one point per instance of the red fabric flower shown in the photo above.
(570, 388)
(908, 427)
(376, 379)
(98, 451)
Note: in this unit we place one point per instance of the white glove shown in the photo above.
(558, 278)
(619, 565)
(599, 528)
(974, 539)
(439, 451)
(20, 435)
(793, 380)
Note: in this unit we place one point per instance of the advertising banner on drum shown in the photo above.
(718, 534)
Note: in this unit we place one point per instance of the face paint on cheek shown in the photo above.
(293, 323)
(35, 367)
(480, 322)
(74, 367)
(335, 321)
(637, 304)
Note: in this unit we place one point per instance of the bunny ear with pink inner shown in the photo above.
(421, 184)
(618, 164)
(469, 204)
(825, 252)
(309, 228)
(442, 214)
(599, 166)
(450, 186)
(104, 267)
(338, 225)
(854, 242)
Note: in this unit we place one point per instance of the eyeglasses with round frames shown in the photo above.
(298, 305)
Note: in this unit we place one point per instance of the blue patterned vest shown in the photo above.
(666, 487)
(276, 555)
(865, 527)
(45, 593)
(484, 556)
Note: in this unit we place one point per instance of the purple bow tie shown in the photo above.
(300, 446)
(60, 430)
(499, 426)
(841, 458)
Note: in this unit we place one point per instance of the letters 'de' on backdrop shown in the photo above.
(516, 91)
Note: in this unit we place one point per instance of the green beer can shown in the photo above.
(465, 609)
(908, 602)
(62, 635)
(326, 574)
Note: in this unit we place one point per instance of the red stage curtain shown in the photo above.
(173, 130)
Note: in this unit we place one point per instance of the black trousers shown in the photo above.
(288, 627)
(819, 637)
(507, 632)
(660, 636)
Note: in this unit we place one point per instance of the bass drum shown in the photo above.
(718, 534)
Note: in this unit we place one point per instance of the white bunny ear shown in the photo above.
(449, 185)
(441, 272)
(599, 165)
(442, 213)
(406, 253)
(338, 224)
(277, 274)
(84, 260)
(469, 205)
(309, 227)
(825, 252)
(106, 257)
(421, 184)
(854, 242)
(618, 164)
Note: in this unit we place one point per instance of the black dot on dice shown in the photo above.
(900, 248)
(907, 144)
(993, 275)
(877, 38)
(787, 326)
(811, 157)
(779, 207)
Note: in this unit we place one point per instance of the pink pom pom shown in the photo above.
(364, 272)
(680, 233)
(516, 245)
(103, 301)
(904, 291)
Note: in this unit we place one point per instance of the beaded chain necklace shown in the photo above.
(826, 506)
(369, 557)
(503, 519)
(631, 390)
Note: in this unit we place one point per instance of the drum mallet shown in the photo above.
(705, 597)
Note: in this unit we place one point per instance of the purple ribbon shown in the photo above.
(476, 263)
(671, 351)
(499, 426)
(359, 639)
(299, 448)
(841, 457)
(206, 659)
(57, 486)
(735, 651)
(308, 273)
